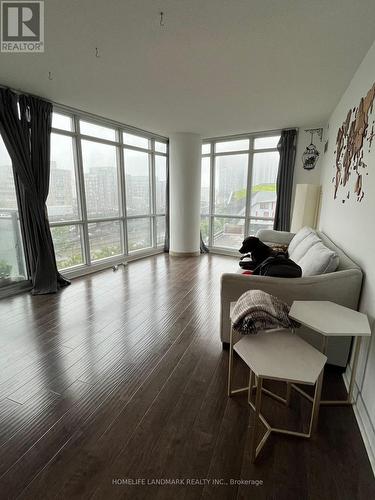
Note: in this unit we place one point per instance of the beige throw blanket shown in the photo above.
(256, 310)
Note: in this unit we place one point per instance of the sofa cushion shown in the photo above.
(318, 260)
(298, 237)
(299, 251)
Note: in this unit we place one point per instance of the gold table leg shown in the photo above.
(230, 390)
(349, 399)
(358, 341)
(230, 367)
(316, 403)
(259, 418)
(258, 401)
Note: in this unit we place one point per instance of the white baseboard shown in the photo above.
(364, 423)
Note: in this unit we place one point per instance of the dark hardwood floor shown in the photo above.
(121, 376)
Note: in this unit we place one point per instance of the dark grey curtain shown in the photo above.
(203, 246)
(25, 125)
(284, 184)
(166, 240)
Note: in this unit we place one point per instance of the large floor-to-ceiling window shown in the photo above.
(12, 260)
(107, 196)
(238, 188)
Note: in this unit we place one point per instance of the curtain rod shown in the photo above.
(17, 91)
(95, 117)
(247, 134)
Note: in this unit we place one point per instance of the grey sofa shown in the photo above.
(342, 286)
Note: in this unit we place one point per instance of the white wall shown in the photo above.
(185, 192)
(352, 226)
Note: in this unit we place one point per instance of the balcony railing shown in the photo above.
(231, 235)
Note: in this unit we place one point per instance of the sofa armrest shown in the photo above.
(272, 236)
(342, 287)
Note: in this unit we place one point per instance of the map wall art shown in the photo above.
(353, 143)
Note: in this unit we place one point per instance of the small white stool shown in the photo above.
(277, 355)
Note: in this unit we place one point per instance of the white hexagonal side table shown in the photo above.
(277, 355)
(332, 320)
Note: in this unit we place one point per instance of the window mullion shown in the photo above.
(81, 192)
(153, 196)
(212, 197)
(249, 186)
(122, 193)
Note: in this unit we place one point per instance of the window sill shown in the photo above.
(76, 272)
(15, 288)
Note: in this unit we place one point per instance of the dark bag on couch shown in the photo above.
(278, 266)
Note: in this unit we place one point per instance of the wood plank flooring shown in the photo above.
(121, 377)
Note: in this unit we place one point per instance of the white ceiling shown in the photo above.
(217, 66)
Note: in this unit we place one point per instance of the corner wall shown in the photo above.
(351, 224)
(302, 176)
